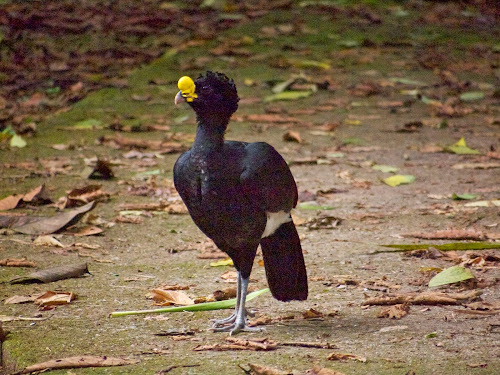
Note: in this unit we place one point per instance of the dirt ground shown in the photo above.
(393, 85)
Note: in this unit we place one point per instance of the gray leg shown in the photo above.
(240, 320)
(230, 319)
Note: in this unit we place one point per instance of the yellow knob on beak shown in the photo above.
(187, 87)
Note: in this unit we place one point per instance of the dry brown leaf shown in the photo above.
(316, 370)
(51, 298)
(36, 196)
(170, 297)
(89, 193)
(312, 314)
(274, 118)
(450, 234)
(395, 312)
(84, 231)
(476, 165)
(263, 344)
(292, 136)
(20, 299)
(229, 276)
(265, 370)
(78, 362)
(19, 262)
(10, 202)
(208, 250)
(345, 357)
(53, 274)
(47, 241)
(37, 225)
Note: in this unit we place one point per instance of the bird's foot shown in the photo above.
(235, 328)
(230, 319)
(222, 322)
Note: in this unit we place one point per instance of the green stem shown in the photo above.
(227, 304)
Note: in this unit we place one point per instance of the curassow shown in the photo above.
(240, 195)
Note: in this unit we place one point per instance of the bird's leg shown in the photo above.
(232, 317)
(239, 323)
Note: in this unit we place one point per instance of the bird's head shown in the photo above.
(212, 96)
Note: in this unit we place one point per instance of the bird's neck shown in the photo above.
(209, 136)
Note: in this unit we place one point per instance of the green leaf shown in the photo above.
(90, 123)
(465, 196)
(461, 148)
(431, 335)
(406, 81)
(454, 246)
(17, 141)
(399, 179)
(451, 275)
(348, 43)
(287, 95)
(310, 64)
(313, 206)
(471, 96)
(223, 262)
(385, 168)
(227, 304)
(353, 141)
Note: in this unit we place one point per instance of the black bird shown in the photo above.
(240, 195)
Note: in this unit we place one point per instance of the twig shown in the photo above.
(303, 344)
(168, 369)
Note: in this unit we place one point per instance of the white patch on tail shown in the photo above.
(274, 221)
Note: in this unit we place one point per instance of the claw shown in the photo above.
(235, 328)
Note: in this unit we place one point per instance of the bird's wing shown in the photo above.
(266, 178)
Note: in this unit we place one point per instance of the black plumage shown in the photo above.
(233, 189)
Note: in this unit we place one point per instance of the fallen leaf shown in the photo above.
(385, 168)
(312, 314)
(316, 370)
(10, 202)
(240, 344)
(395, 312)
(451, 275)
(11, 262)
(476, 166)
(53, 274)
(47, 241)
(287, 95)
(229, 276)
(256, 369)
(461, 148)
(35, 225)
(224, 262)
(399, 179)
(101, 171)
(170, 297)
(78, 362)
(464, 196)
(471, 96)
(453, 234)
(292, 136)
(345, 357)
(90, 123)
(17, 141)
(84, 231)
(273, 118)
(36, 196)
(50, 298)
(19, 299)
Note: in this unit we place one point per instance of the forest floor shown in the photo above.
(373, 91)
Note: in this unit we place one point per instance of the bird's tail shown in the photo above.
(284, 262)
